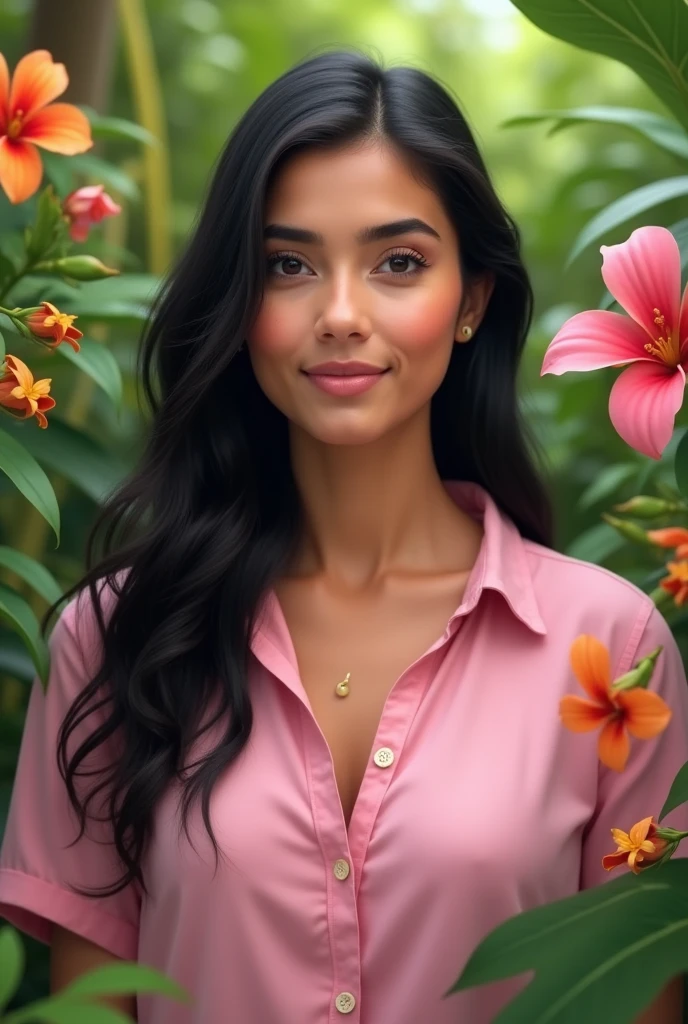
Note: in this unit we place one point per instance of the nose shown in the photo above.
(343, 312)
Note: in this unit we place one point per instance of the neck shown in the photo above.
(375, 509)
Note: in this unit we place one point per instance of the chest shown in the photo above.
(375, 640)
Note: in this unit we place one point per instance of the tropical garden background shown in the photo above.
(164, 81)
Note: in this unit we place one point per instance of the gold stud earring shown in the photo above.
(467, 332)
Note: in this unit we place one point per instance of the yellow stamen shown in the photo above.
(15, 125)
(63, 319)
(667, 347)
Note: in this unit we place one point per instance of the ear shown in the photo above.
(475, 300)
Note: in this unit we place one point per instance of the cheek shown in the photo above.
(276, 330)
(426, 323)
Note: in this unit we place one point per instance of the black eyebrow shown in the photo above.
(363, 237)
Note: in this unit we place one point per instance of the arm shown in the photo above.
(71, 955)
(667, 1008)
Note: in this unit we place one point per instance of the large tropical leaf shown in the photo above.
(660, 130)
(18, 615)
(602, 954)
(96, 360)
(23, 470)
(74, 454)
(626, 207)
(650, 36)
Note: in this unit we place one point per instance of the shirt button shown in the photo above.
(341, 868)
(345, 1002)
(383, 757)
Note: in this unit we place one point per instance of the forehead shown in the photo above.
(350, 187)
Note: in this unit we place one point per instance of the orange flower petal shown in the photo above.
(614, 860)
(646, 714)
(36, 82)
(590, 662)
(21, 169)
(639, 831)
(669, 536)
(614, 745)
(61, 128)
(581, 715)
(4, 94)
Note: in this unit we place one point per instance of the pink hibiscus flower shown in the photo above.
(644, 276)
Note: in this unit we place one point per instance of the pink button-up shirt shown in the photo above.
(476, 804)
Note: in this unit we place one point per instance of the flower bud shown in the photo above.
(631, 531)
(640, 675)
(645, 506)
(82, 268)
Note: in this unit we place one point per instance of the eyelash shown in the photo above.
(421, 262)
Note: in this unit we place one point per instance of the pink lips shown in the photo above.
(345, 385)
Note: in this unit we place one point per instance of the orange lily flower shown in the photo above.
(29, 118)
(20, 392)
(48, 322)
(637, 711)
(641, 844)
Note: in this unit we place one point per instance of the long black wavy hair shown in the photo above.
(210, 516)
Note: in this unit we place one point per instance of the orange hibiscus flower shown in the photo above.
(21, 395)
(29, 118)
(48, 322)
(637, 711)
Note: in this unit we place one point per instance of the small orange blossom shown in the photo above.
(21, 395)
(49, 322)
(637, 711)
(641, 844)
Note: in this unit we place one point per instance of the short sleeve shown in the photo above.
(37, 864)
(642, 787)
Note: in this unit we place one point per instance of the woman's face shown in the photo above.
(393, 301)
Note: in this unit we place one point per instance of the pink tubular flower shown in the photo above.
(644, 276)
(85, 207)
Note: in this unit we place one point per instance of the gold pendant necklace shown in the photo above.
(342, 689)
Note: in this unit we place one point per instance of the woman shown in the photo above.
(347, 574)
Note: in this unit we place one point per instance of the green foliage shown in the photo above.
(650, 37)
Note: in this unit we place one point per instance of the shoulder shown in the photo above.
(77, 625)
(575, 596)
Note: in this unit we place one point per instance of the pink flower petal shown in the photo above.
(644, 273)
(643, 403)
(683, 325)
(595, 338)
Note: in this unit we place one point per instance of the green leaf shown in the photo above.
(108, 174)
(78, 457)
(115, 979)
(17, 613)
(117, 127)
(630, 205)
(12, 962)
(35, 574)
(681, 466)
(678, 794)
(649, 36)
(23, 470)
(48, 216)
(57, 1010)
(660, 130)
(96, 360)
(602, 954)
(2, 349)
(606, 483)
(596, 543)
(680, 232)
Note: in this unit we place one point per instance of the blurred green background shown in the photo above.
(212, 58)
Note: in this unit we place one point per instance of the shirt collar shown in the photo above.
(502, 562)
